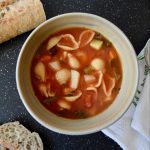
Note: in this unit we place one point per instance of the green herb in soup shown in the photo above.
(76, 73)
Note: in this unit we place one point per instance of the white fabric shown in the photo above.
(132, 131)
(141, 118)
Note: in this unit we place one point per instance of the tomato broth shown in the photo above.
(76, 73)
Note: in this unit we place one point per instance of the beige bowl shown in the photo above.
(123, 99)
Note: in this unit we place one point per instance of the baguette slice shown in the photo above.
(15, 136)
(19, 16)
(2, 148)
(5, 3)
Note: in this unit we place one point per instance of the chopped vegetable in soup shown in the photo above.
(76, 73)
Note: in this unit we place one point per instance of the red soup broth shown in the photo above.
(76, 73)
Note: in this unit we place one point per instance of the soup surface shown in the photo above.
(76, 73)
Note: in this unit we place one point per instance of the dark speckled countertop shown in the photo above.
(131, 16)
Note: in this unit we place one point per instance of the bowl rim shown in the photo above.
(65, 131)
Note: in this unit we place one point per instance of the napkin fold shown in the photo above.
(141, 117)
(132, 130)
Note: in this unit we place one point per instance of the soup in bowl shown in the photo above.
(77, 73)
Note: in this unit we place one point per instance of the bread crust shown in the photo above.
(4, 3)
(2, 148)
(19, 17)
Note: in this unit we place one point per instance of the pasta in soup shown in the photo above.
(76, 73)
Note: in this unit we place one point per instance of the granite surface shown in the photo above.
(131, 16)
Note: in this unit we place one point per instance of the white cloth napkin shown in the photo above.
(141, 117)
(132, 131)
